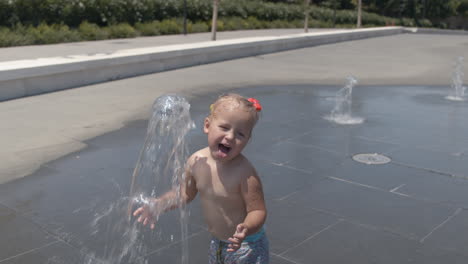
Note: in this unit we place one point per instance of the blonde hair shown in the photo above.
(231, 101)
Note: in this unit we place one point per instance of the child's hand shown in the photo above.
(237, 238)
(148, 214)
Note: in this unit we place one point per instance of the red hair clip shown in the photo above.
(256, 104)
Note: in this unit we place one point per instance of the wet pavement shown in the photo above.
(324, 207)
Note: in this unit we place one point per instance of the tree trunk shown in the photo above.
(185, 17)
(214, 22)
(334, 14)
(359, 14)
(306, 15)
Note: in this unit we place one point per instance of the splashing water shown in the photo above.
(159, 169)
(458, 90)
(341, 113)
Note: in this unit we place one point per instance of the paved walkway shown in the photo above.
(109, 46)
(324, 206)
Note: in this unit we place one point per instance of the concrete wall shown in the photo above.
(32, 77)
(436, 31)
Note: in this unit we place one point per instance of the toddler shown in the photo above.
(229, 188)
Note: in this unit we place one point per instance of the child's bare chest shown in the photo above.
(218, 184)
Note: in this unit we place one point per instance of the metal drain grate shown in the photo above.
(371, 158)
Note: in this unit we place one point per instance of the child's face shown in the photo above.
(228, 132)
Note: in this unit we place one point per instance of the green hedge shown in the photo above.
(28, 22)
(108, 12)
(100, 12)
(20, 35)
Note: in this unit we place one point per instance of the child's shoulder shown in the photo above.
(245, 165)
(202, 154)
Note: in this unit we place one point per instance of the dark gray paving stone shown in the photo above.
(418, 138)
(289, 224)
(413, 116)
(92, 158)
(450, 235)
(266, 134)
(350, 243)
(49, 192)
(88, 212)
(280, 182)
(387, 211)
(432, 160)
(283, 104)
(417, 183)
(342, 141)
(54, 253)
(306, 158)
(438, 188)
(383, 176)
(433, 99)
(171, 252)
(132, 134)
(275, 259)
(63, 203)
(111, 239)
(19, 235)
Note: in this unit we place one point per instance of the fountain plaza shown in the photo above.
(392, 188)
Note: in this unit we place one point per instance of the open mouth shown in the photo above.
(223, 149)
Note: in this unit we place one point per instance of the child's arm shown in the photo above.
(252, 192)
(149, 213)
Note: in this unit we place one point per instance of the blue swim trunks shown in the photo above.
(253, 250)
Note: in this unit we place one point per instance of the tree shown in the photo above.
(440, 9)
(462, 9)
(359, 14)
(341, 4)
(214, 21)
(185, 17)
(306, 15)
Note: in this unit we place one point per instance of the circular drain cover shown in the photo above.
(372, 158)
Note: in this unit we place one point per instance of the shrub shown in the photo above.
(233, 23)
(122, 30)
(90, 31)
(45, 34)
(198, 27)
(219, 25)
(10, 38)
(407, 22)
(313, 23)
(424, 23)
(442, 25)
(254, 23)
(171, 26)
(345, 17)
(372, 19)
(149, 29)
(278, 24)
